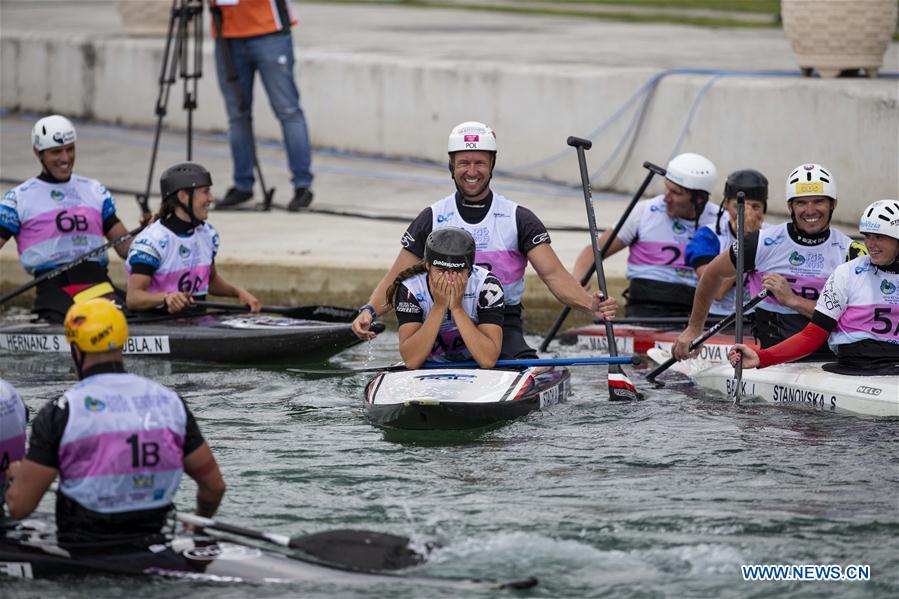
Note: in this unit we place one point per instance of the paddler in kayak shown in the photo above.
(13, 419)
(858, 310)
(507, 236)
(792, 261)
(657, 233)
(447, 307)
(119, 442)
(59, 216)
(710, 241)
(172, 262)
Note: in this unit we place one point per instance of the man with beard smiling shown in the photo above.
(507, 236)
(57, 217)
(792, 261)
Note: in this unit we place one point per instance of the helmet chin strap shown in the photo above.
(189, 208)
(78, 358)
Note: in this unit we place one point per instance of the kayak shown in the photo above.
(224, 338)
(462, 398)
(797, 384)
(29, 549)
(635, 339)
(808, 384)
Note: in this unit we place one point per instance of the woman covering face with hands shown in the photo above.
(447, 308)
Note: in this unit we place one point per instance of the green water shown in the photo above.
(662, 498)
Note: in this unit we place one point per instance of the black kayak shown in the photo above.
(226, 338)
(29, 549)
(461, 398)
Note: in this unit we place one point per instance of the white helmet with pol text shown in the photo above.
(692, 171)
(471, 136)
(811, 180)
(52, 132)
(882, 218)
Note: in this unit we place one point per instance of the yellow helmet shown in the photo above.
(96, 326)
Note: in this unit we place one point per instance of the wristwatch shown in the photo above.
(370, 308)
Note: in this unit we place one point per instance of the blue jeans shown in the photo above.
(272, 56)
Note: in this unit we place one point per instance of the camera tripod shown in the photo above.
(183, 59)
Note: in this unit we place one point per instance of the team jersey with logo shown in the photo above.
(503, 235)
(482, 301)
(177, 262)
(863, 300)
(13, 418)
(805, 267)
(54, 223)
(122, 448)
(657, 242)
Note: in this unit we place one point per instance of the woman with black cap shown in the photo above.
(448, 308)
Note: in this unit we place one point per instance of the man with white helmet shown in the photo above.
(507, 237)
(58, 216)
(657, 233)
(792, 261)
(858, 310)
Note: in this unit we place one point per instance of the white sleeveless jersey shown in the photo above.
(122, 449)
(864, 301)
(805, 268)
(496, 241)
(13, 419)
(657, 242)
(183, 263)
(727, 304)
(54, 223)
(449, 344)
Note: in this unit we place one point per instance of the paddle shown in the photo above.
(322, 313)
(363, 550)
(738, 326)
(522, 363)
(560, 319)
(723, 323)
(69, 265)
(620, 387)
(660, 320)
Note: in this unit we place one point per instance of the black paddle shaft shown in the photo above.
(724, 322)
(560, 319)
(738, 326)
(69, 265)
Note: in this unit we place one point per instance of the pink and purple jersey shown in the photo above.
(180, 262)
(122, 449)
(864, 302)
(496, 241)
(805, 268)
(13, 419)
(657, 242)
(54, 223)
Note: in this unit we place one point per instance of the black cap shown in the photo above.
(751, 182)
(184, 175)
(450, 248)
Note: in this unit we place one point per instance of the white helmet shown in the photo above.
(811, 180)
(881, 217)
(692, 171)
(51, 132)
(471, 136)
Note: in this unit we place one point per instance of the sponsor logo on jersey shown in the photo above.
(420, 297)
(94, 405)
(769, 241)
(492, 294)
(57, 196)
(163, 242)
(407, 240)
(442, 218)
(143, 481)
(887, 288)
(678, 227)
(797, 259)
(9, 199)
(541, 238)
(656, 208)
(183, 251)
(481, 237)
(79, 240)
(501, 215)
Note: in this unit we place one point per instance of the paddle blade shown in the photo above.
(620, 386)
(360, 549)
